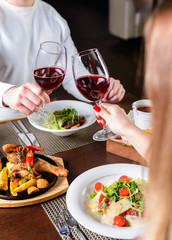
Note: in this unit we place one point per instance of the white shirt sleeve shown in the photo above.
(4, 87)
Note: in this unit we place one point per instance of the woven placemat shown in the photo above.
(54, 144)
(50, 142)
(52, 208)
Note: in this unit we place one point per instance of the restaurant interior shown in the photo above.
(115, 27)
(91, 24)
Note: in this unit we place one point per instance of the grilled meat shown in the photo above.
(20, 167)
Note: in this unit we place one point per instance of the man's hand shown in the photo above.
(115, 92)
(26, 98)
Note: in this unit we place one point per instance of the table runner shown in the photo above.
(51, 142)
(52, 208)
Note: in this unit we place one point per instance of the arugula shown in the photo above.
(63, 117)
(92, 195)
(135, 196)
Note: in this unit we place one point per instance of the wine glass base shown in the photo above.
(103, 135)
(44, 118)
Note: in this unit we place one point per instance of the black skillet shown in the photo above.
(51, 178)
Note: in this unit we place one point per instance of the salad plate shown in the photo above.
(78, 195)
(84, 110)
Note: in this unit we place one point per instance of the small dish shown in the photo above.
(84, 109)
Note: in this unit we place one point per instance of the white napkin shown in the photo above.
(9, 114)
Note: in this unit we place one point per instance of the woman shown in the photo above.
(158, 150)
(24, 24)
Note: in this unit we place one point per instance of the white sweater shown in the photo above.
(22, 29)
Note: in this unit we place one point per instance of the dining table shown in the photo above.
(79, 153)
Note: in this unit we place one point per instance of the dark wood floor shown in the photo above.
(88, 21)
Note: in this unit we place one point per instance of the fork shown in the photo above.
(71, 222)
(62, 227)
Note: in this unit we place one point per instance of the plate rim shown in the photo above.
(78, 212)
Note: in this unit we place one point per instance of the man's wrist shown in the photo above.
(6, 96)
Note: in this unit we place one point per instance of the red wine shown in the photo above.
(49, 78)
(92, 87)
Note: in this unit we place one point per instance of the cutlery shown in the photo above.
(71, 222)
(62, 227)
(22, 136)
(31, 136)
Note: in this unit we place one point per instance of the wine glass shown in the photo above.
(92, 80)
(49, 72)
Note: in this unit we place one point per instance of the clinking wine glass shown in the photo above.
(49, 72)
(92, 80)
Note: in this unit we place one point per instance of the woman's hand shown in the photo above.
(115, 92)
(26, 98)
(114, 118)
(118, 121)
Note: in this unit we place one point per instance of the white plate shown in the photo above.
(83, 185)
(84, 109)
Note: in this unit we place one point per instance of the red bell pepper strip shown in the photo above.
(31, 147)
(29, 159)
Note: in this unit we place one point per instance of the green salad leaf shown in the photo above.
(64, 118)
(135, 196)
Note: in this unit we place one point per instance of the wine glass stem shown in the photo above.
(41, 110)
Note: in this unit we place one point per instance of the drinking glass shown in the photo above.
(49, 72)
(92, 80)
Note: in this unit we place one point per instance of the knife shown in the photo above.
(31, 136)
(22, 136)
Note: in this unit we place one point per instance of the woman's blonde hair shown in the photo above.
(158, 84)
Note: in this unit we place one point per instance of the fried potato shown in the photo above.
(42, 183)
(75, 126)
(4, 179)
(32, 189)
(14, 184)
(25, 186)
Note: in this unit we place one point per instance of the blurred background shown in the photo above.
(114, 27)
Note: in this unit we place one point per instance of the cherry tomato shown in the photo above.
(100, 206)
(101, 198)
(124, 192)
(119, 221)
(98, 186)
(124, 178)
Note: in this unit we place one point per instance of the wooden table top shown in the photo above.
(32, 222)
